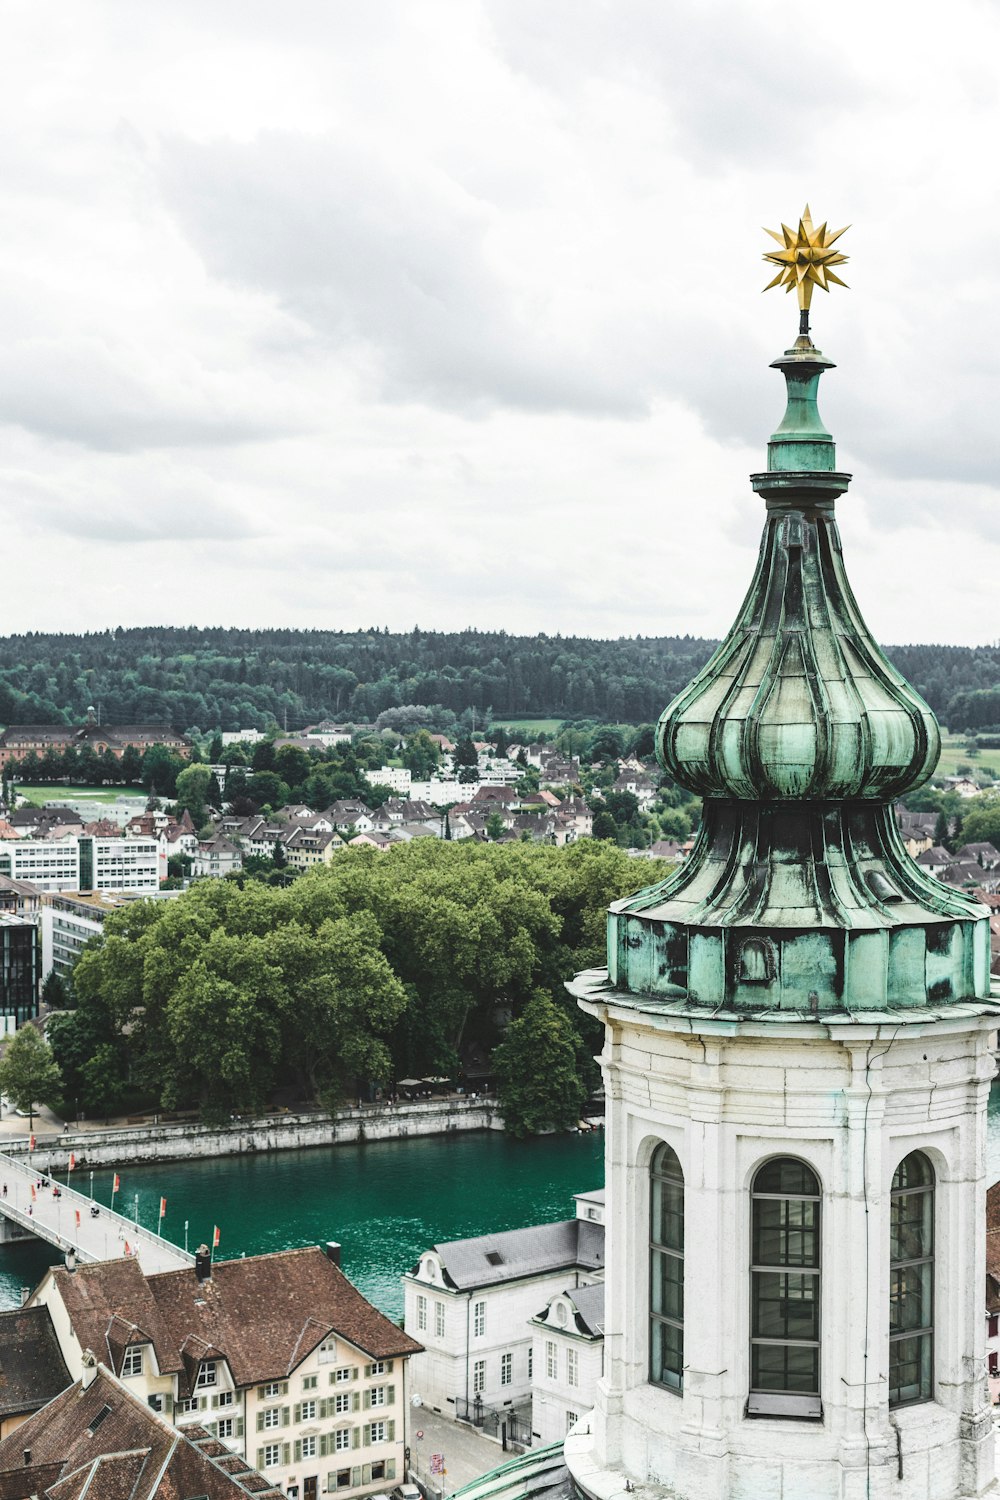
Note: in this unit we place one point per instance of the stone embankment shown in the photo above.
(120, 1145)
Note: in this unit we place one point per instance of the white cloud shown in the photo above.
(450, 313)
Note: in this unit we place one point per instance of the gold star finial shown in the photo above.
(805, 258)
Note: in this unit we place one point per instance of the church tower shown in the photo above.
(797, 1061)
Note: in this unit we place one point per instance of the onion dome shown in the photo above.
(799, 702)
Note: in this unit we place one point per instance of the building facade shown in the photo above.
(85, 863)
(470, 1303)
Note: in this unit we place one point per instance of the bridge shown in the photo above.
(49, 1210)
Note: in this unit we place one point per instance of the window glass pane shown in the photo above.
(911, 1230)
(668, 1214)
(910, 1298)
(666, 1290)
(785, 1232)
(913, 1171)
(668, 1285)
(786, 1176)
(792, 1368)
(910, 1369)
(785, 1306)
(668, 1354)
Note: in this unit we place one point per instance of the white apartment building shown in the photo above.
(85, 863)
(278, 1356)
(567, 1360)
(470, 1304)
(395, 777)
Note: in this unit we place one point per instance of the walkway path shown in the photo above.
(467, 1453)
(66, 1221)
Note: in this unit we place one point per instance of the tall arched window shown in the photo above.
(666, 1240)
(911, 1282)
(785, 1290)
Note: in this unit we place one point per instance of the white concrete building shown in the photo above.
(567, 1360)
(396, 778)
(85, 863)
(470, 1304)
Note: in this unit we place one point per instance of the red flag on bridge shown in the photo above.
(216, 1236)
(163, 1207)
(33, 1193)
(72, 1160)
(117, 1183)
(78, 1218)
(31, 1143)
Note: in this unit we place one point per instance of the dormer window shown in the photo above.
(132, 1363)
(207, 1374)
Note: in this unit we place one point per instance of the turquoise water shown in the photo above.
(385, 1201)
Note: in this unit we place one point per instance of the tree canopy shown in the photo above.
(380, 966)
(29, 1075)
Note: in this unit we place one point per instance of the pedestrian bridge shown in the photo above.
(31, 1204)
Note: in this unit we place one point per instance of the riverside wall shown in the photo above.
(188, 1141)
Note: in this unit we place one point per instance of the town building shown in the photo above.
(396, 778)
(567, 1360)
(216, 857)
(85, 862)
(277, 1358)
(20, 971)
(96, 1439)
(798, 1056)
(470, 1304)
(19, 740)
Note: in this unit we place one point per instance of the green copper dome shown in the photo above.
(799, 895)
(798, 701)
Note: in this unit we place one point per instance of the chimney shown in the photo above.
(70, 1259)
(203, 1263)
(89, 1369)
(333, 1251)
(27, 1458)
(25, 1294)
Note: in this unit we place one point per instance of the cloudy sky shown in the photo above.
(449, 312)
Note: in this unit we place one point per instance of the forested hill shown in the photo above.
(241, 678)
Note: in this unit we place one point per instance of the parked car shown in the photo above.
(407, 1492)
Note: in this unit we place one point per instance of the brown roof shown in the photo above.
(103, 1442)
(111, 1306)
(32, 1369)
(264, 1314)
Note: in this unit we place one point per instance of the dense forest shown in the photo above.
(231, 679)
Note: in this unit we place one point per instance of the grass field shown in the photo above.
(954, 754)
(38, 795)
(530, 726)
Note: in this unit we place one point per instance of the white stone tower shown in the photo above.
(797, 1063)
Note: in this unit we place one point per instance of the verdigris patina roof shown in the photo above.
(799, 895)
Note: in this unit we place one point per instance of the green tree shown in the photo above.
(131, 765)
(55, 994)
(421, 755)
(605, 826)
(538, 1086)
(265, 787)
(494, 826)
(29, 1074)
(981, 823)
(194, 786)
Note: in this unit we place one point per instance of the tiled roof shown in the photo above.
(589, 1304)
(32, 1369)
(107, 1298)
(103, 1443)
(264, 1314)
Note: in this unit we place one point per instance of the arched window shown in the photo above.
(666, 1300)
(785, 1290)
(911, 1281)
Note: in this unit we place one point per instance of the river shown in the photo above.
(385, 1201)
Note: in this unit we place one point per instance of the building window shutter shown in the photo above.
(239, 1426)
(390, 1431)
(298, 1412)
(286, 1453)
(354, 1372)
(388, 1365)
(260, 1458)
(390, 1395)
(215, 1400)
(355, 1437)
(260, 1393)
(324, 1445)
(324, 1409)
(284, 1387)
(356, 1402)
(260, 1421)
(285, 1415)
(298, 1450)
(355, 1477)
(366, 1400)
(366, 1435)
(390, 1469)
(366, 1473)
(368, 1371)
